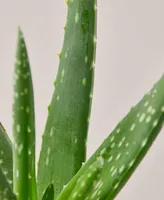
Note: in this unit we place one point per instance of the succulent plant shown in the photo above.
(63, 172)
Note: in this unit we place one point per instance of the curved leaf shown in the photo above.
(6, 166)
(49, 193)
(6, 160)
(121, 152)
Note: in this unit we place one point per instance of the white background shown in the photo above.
(130, 58)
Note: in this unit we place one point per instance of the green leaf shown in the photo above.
(23, 126)
(49, 193)
(6, 166)
(106, 172)
(64, 140)
(5, 188)
(6, 160)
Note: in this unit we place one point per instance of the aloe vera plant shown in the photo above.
(61, 172)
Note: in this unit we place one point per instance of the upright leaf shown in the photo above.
(106, 172)
(23, 126)
(6, 166)
(64, 140)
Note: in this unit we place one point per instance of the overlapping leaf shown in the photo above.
(6, 166)
(106, 172)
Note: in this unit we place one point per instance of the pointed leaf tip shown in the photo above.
(49, 193)
(121, 152)
(23, 125)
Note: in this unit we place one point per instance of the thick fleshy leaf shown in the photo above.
(106, 172)
(49, 193)
(6, 160)
(64, 140)
(5, 188)
(6, 166)
(23, 126)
